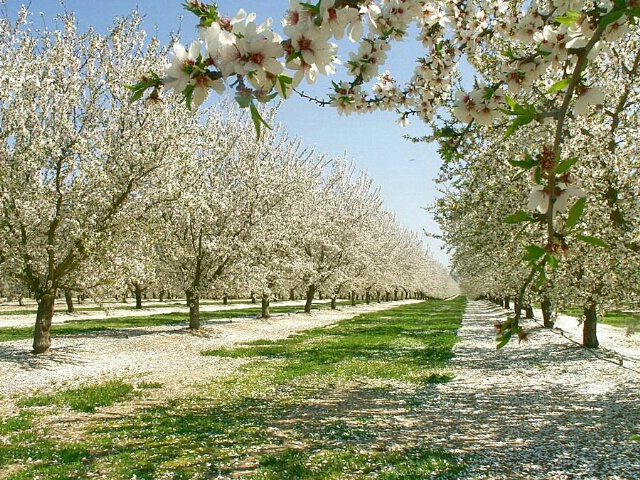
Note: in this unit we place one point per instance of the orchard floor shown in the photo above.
(547, 409)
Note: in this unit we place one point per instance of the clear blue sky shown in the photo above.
(404, 170)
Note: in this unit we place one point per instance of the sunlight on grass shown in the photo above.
(323, 404)
(84, 399)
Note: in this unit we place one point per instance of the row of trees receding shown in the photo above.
(100, 195)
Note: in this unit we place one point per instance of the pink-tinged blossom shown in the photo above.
(181, 64)
(336, 20)
(539, 197)
(184, 70)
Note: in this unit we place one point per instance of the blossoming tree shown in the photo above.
(536, 65)
(79, 162)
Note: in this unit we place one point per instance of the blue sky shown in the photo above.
(374, 141)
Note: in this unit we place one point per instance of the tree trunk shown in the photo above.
(333, 301)
(311, 292)
(353, 298)
(395, 295)
(529, 311)
(292, 294)
(367, 295)
(546, 313)
(225, 299)
(161, 295)
(137, 290)
(377, 296)
(20, 300)
(589, 334)
(253, 297)
(44, 317)
(506, 302)
(69, 299)
(193, 301)
(265, 306)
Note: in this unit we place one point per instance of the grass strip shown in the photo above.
(615, 318)
(340, 402)
(84, 399)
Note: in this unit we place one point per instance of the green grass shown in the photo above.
(615, 318)
(75, 327)
(84, 399)
(318, 405)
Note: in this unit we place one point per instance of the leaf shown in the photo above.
(552, 260)
(519, 216)
(575, 212)
(503, 340)
(593, 240)
(519, 121)
(565, 165)
(534, 252)
(569, 18)
(559, 85)
(541, 279)
(257, 119)
(538, 175)
(612, 16)
(527, 163)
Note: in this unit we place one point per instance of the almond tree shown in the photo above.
(80, 164)
(537, 64)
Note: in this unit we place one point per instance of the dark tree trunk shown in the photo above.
(44, 317)
(353, 298)
(589, 334)
(20, 300)
(546, 313)
(137, 290)
(292, 294)
(161, 295)
(69, 299)
(225, 299)
(311, 292)
(529, 311)
(320, 297)
(264, 313)
(253, 297)
(367, 295)
(193, 301)
(387, 296)
(333, 301)
(506, 302)
(395, 295)
(378, 296)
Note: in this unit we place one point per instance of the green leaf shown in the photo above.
(538, 175)
(612, 16)
(519, 121)
(593, 240)
(559, 85)
(527, 163)
(565, 165)
(552, 260)
(257, 119)
(519, 216)
(541, 279)
(534, 252)
(503, 340)
(635, 438)
(575, 212)
(569, 18)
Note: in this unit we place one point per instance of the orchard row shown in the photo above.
(100, 195)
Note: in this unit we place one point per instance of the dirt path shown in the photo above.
(548, 409)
